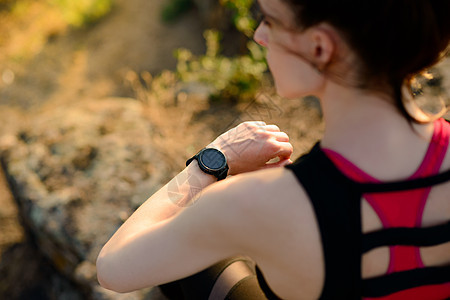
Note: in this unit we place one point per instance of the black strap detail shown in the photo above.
(384, 187)
(405, 185)
(395, 282)
(337, 209)
(336, 200)
(420, 237)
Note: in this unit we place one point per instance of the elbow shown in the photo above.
(108, 276)
(105, 275)
(102, 274)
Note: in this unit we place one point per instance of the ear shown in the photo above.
(322, 45)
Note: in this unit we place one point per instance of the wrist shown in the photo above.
(186, 187)
(227, 152)
(211, 161)
(197, 176)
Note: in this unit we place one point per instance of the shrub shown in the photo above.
(6, 4)
(175, 8)
(79, 13)
(233, 79)
(243, 19)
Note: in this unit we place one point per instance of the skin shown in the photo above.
(262, 211)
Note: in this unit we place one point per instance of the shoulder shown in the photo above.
(267, 216)
(273, 221)
(260, 209)
(262, 191)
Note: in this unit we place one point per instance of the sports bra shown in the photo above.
(337, 208)
(404, 209)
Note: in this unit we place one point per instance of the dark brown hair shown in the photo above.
(395, 39)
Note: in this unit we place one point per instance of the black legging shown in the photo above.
(231, 279)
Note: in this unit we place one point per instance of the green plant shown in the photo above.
(233, 79)
(175, 8)
(242, 19)
(82, 12)
(6, 4)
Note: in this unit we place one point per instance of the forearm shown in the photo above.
(247, 147)
(176, 195)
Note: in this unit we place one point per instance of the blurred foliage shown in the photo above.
(43, 20)
(242, 19)
(219, 78)
(28, 25)
(6, 4)
(230, 79)
(74, 12)
(174, 9)
(79, 13)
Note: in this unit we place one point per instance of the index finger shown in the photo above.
(272, 128)
(285, 150)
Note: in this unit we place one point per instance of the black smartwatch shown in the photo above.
(211, 161)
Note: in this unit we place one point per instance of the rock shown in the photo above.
(26, 274)
(75, 172)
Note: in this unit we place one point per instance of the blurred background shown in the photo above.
(101, 102)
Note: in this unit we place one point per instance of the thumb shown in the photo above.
(281, 163)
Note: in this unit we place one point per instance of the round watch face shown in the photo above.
(213, 159)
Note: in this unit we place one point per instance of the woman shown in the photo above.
(343, 222)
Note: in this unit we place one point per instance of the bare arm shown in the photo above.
(152, 239)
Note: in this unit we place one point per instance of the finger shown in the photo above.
(285, 151)
(280, 136)
(272, 128)
(281, 163)
(260, 123)
(287, 162)
(255, 123)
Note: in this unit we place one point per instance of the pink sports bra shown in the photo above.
(404, 209)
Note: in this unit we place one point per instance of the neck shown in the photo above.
(360, 118)
(369, 130)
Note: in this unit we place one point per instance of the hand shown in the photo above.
(251, 145)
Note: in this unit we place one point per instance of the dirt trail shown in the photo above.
(93, 62)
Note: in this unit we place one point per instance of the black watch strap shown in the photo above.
(211, 161)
